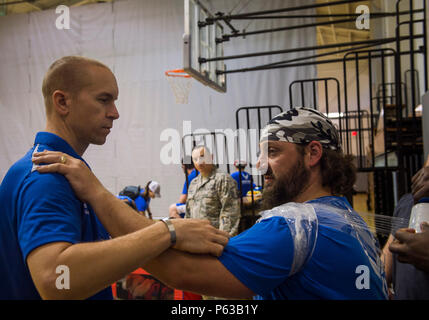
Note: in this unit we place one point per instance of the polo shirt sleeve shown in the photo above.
(261, 257)
(48, 212)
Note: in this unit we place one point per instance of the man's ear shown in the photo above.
(60, 101)
(314, 153)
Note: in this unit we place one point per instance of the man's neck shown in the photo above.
(63, 133)
(207, 173)
(313, 190)
(307, 196)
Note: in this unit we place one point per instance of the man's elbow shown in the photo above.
(47, 287)
(214, 289)
(176, 280)
(55, 287)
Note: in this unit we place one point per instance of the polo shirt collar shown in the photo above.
(56, 143)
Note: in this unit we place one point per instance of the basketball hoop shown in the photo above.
(180, 83)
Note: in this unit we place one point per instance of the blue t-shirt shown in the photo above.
(191, 177)
(245, 182)
(262, 256)
(141, 203)
(38, 209)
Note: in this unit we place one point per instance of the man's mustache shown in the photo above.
(269, 173)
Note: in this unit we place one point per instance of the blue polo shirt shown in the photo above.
(262, 257)
(245, 181)
(38, 209)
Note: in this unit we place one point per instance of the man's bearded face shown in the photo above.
(286, 179)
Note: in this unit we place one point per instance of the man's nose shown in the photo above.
(113, 112)
(262, 163)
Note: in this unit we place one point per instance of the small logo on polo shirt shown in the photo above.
(35, 166)
(85, 208)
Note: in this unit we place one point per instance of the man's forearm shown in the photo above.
(95, 266)
(117, 217)
(201, 274)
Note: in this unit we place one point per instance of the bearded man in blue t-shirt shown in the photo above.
(309, 242)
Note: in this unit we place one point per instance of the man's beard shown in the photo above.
(285, 189)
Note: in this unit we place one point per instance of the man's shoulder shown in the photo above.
(235, 174)
(36, 184)
(18, 173)
(194, 180)
(220, 175)
(24, 188)
(20, 168)
(329, 204)
(47, 185)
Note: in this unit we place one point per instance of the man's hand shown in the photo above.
(199, 236)
(412, 247)
(84, 183)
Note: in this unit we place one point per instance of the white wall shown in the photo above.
(139, 40)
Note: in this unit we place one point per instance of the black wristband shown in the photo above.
(171, 229)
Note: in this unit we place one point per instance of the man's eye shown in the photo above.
(271, 152)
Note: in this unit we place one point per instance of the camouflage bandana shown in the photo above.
(302, 125)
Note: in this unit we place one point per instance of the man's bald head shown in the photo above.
(203, 160)
(68, 74)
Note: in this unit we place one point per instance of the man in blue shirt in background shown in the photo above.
(244, 183)
(52, 245)
(309, 242)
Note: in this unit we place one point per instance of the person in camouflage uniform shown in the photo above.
(213, 195)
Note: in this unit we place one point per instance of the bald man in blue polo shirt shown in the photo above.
(52, 244)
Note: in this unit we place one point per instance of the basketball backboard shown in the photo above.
(199, 41)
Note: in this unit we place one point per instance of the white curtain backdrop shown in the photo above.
(139, 40)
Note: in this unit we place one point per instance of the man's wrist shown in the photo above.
(171, 230)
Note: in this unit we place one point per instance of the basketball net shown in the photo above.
(180, 83)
